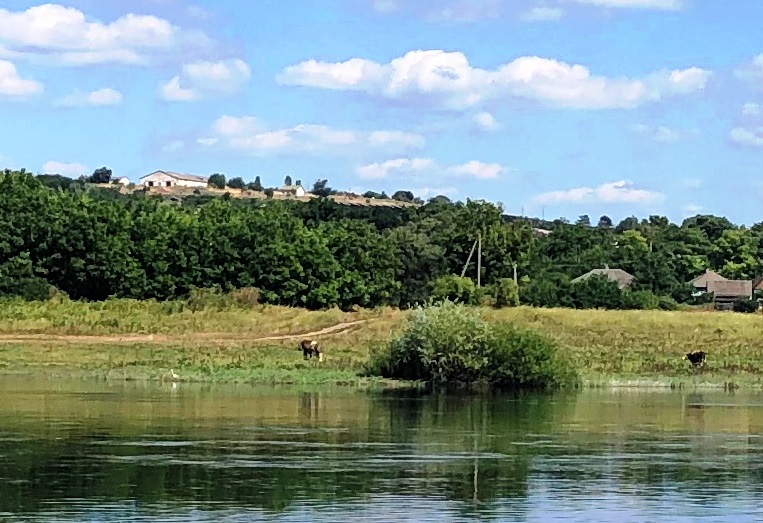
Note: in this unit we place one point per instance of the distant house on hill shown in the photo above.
(619, 276)
(725, 292)
(295, 190)
(172, 179)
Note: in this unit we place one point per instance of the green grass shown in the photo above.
(641, 348)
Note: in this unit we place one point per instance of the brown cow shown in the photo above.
(309, 347)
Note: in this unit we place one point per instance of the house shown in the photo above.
(172, 179)
(726, 292)
(541, 232)
(291, 190)
(700, 283)
(619, 276)
(122, 180)
(757, 284)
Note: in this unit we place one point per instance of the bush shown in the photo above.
(215, 298)
(454, 288)
(746, 306)
(29, 288)
(640, 300)
(452, 345)
(506, 293)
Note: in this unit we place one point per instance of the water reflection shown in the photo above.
(84, 451)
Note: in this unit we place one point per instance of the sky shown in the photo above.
(554, 108)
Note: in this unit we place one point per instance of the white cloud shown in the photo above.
(486, 122)
(396, 167)
(418, 167)
(663, 133)
(478, 170)
(751, 109)
(66, 169)
(614, 192)
(752, 73)
(691, 209)
(201, 79)
(667, 5)
(747, 137)
(245, 134)
(543, 14)
(430, 192)
(12, 85)
(449, 79)
(97, 98)
(64, 36)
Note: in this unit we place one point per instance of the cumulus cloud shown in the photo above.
(747, 137)
(667, 5)
(66, 169)
(543, 14)
(663, 133)
(13, 85)
(486, 121)
(396, 167)
(449, 80)
(418, 167)
(98, 98)
(64, 36)
(201, 79)
(247, 135)
(615, 192)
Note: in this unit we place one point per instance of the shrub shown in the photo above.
(506, 293)
(746, 306)
(454, 288)
(641, 300)
(245, 297)
(452, 345)
(214, 298)
(28, 288)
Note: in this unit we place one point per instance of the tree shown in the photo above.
(287, 181)
(403, 196)
(583, 220)
(236, 183)
(299, 183)
(320, 188)
(256, 185)
(217, 181)
(101, 175)
(605, 222)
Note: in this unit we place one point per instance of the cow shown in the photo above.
(310, 347)
(696, 358)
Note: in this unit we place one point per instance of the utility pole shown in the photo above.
(516, 282)
(479, 258)
(474, 246)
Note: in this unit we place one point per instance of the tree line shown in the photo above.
(94, 243)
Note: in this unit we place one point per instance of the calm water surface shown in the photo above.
(83, 451)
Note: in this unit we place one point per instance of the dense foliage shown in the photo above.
(94, 242)
(451, 344)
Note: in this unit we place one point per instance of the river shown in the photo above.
(97, 451)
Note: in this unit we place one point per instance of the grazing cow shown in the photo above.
(310, 347)
(696, 358)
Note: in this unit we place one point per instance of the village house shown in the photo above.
(172, 179)
(619, 276)
(291, 190)
(725, 292)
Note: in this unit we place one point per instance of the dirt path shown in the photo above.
(158, 338)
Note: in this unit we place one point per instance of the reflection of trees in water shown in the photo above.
(475, 449)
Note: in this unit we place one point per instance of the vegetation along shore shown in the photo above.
(127, 339)
(136, 285)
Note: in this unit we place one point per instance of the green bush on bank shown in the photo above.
(450, 344)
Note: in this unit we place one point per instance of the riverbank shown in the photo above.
(131, 340)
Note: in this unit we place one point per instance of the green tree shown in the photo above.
(101, 175)
(236, 183)
(217, 181)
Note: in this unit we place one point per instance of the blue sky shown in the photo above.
(552, 107)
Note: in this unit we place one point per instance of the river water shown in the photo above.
(95, 451)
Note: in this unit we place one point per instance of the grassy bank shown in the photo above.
(125, 339)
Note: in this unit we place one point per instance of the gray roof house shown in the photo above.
(619, 276)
